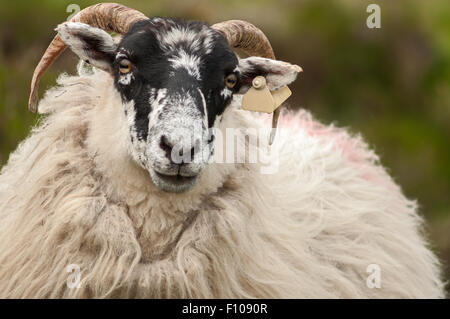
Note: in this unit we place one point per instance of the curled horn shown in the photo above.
(110, 17)
(248, 38)
(245, 36)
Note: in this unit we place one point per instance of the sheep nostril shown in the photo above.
(196, 148)
(165, 145)
(192, 153)
(189, 159)
(185, 155)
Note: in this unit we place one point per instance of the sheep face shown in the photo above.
(175, 81)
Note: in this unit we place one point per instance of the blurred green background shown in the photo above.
(391, 84)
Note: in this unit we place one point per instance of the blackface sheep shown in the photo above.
(93, 204)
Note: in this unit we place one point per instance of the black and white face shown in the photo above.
(175, 80)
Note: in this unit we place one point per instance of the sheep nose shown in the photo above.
(167, 146)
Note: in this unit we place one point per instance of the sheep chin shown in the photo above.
(173, 183)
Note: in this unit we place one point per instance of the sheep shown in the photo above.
(93, 187)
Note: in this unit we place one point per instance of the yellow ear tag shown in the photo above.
(281, 95)
(259, 99)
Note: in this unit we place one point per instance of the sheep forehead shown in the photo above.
(187, 46)
(197, 40)
(183, 45)
(190, 62)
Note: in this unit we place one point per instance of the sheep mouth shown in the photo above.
(176, 179)
(173, 183)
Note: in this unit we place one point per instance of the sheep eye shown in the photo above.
(124, 66)
(231, 80)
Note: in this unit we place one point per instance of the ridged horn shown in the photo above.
(111, 17)
(245, 36)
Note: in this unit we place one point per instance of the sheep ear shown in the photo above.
(277, 73)
(91, 44)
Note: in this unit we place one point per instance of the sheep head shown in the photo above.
(175, 80)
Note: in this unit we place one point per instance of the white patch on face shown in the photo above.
(151, 99)
(217, 120)
(176, 35)
(189, 62)
(121, 55)
(208, 42)
(126, 79)
(182, 124)
(156, 106)
(196, 40)
(205, 118)
(226, 93)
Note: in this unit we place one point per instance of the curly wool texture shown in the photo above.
(70, 194)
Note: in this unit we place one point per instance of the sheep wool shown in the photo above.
(71, 196)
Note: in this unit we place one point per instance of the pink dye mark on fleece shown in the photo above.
(352, 148)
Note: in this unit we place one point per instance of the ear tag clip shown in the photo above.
(259, 99)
